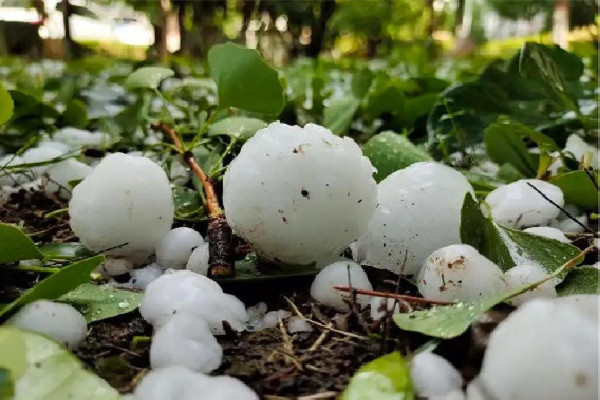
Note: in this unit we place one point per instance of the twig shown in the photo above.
(393, 295)
(568, 214)
(590, 175)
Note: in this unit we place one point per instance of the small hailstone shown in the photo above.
(198, 261)
(38, 155)
(299, 195)
(433, 375)
(59, 175)
(185, 341)
(578, 147)
(175, 248)
(141, 278)
(256, 314)
(337, 274)
(172, 383)
(225, 388)
(63, 148)
(298, 324)
(114, 266)
(459, 272)
(548, 232)
(380, 307)
(525, 350)
(125, 201)
(11, 178)
(78, 138)
(419, 211)
(60, 321)
(566, 224)
(528, 273)
(517, 205)
(271, 319)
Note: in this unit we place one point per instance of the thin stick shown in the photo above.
(374, 293)
(587, 228)
(590, 175)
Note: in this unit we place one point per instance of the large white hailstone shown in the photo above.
(526, 349)
(548, 232)
(459, 273)
(529, 273)
(114, 266)
(125, 201)
(578, 147)
(59, 175)
(198, 261)
(518, 205)
(299, 195)
(183, 291)
(142, 277)
(59, 321)
(433, 375)
(78, 138)
(185, 341)
(7, 178)
(418, 212)
(337, 274)
(381, 307)
(38, 155)
(175, 248)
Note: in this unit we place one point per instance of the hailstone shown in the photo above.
(566, 224)
(59, 175)
(299, 195)
(78, 138)
(456, 394)
(518, 205)
(548, 232)
(337, 274)
(433, 375)
(185, 341)
(526, 349)
(175, 248)
(529, 273)
(578, 147)
(114, 266)
(39, 155)
(419, 211)
(142, 277)
(271, 319)
(11, 178)
(198, 261)
(298, 324)
(125, 201)
(459, 273)
(59, 321)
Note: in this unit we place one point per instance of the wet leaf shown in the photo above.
(387, 99)
(147, 77)
(65, 251)
(241, 128)
(361, 82)
(43, 370)
(339, 115)
(76, 114)
(385, 378)
(6, 105)
(16, 245)
(582, 280)
(98, 302)
(578, 188)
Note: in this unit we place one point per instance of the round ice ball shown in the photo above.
(433, 375)
(299, 195)
(418, 212)
(548, 232)
(125, 201)
(142, 277)
(198, 261)
(175, 248)
(518, 205)
(459, 273)
(529, 273)
(341, 273)
(524, 351)
(61, 174)
(59, 321)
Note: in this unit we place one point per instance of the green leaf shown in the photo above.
(57, 284)
(147, 77)
(247, 271)
(6, 105)
(244, 80)
(509, 247)
(98, 302)
(241, 128)
(361, 82)
(389, 152)
(385, 378)
(7, 389)
(43, 370)
(582, 280)
(504, 144)
(387, 99)
(75, 114)
(339, 115)
(65, 251)
(186, 200)
(578, 188)
(16, 245)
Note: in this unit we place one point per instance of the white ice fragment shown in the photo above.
(299, 195)
(296, 324)
(566, 224)
(114, 266)
(40, 155)
(59, 176)
(380, 307)
(433, 375)
(59, 321)
(185, 341)
(548, 232)
(11, 178)
(578, 147)
(271, 319)
(341, 273)
(456, 394)
(78, 138)
(418, 212)
(528, 273)
(518, 205)
(125, 201)
(459, 273)
(198, 261)
(175, 248)
(142, 277)
(256, 314)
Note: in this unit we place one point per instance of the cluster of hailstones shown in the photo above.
(302, 196)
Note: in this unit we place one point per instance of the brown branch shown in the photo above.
(347, 289)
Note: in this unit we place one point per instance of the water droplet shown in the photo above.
(123, 304)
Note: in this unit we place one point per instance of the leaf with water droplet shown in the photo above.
(582, 280)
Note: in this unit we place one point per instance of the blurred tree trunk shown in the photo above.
(560, 23)
(160, 30)
(68, 40)
(431, 22)
(181, 17)
(458, 17)
(319, 27)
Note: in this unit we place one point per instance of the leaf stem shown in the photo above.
(374, 293)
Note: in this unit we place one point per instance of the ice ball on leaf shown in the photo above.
(419, 211)
(125, 201)
(341, 273)
(299, 195)
(175, 248)
(459, 273)
(433, 375)
(546, 349)
(548, 232)
(518, 205)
